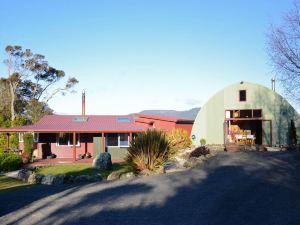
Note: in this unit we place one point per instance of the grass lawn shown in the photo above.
(7, 183)
(82, 169)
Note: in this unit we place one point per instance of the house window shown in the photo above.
(117, 140)
(124, 140)
(66, 139)
(257, 113)
(112, 140)
(243, 95)
(36, 137)
(21, 137)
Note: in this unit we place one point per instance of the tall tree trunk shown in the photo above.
(12, 101)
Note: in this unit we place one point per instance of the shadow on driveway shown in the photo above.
(240, 188)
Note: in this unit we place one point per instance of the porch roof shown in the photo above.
(78, 123)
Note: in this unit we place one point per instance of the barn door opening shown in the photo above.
(267, 132)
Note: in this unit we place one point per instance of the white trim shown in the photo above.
(124, 146)
(36, 137)
(69, 144)
(21, 140)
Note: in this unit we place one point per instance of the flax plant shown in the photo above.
(149, 150)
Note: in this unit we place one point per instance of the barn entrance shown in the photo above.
(247, 127)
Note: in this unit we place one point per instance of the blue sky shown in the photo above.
(132, 55)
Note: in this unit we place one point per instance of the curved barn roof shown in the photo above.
(210, 119)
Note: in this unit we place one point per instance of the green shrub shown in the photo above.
(19, 121)
(28, 144)
(149, 151)
(14, 140)
(202, 141)
(202, 150)
(10, 161)
(3, 142)
(178, 139)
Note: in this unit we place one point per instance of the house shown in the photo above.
(68, 136)
(245, 113)
(164, 123)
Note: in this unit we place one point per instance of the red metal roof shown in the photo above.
(78, 123)
(163, 118)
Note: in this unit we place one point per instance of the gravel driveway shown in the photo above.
(230, 188)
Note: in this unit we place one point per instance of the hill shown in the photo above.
(188, 114)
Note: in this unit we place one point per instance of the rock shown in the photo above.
(98, 177)
(35, 178)
(202, 157)
(160, 170)
(174, 167)
(129, 175)
(59, 179)
(69, 179)
(175, 170)
(114, 176)
(11, 174)
(145, 172)
(102, 161)
(192, 162)
(82, 178)
(32, 179)
(39, 178)
(24, 175)
(48, 179)
(208, 156)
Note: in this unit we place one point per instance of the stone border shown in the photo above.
(31, 177)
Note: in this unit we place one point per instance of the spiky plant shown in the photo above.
(149, 151)
(178, 139)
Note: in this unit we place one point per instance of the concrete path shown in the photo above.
(231, 188)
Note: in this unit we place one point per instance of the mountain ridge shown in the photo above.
(185, 114)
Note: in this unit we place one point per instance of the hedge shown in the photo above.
(10, 162)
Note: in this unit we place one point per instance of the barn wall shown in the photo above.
(210, 119)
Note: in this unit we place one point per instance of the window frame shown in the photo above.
(36, 137)
(21, 140)
(69, 138)
(245, 95)
(106, 140)
(119, 141)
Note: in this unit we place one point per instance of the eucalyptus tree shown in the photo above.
(32, 80)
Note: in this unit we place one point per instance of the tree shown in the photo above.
(4, 99)
(36, 110)
(284, 52)
(31, 79)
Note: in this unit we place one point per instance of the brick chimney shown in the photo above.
(273, 84)
(83, 102)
